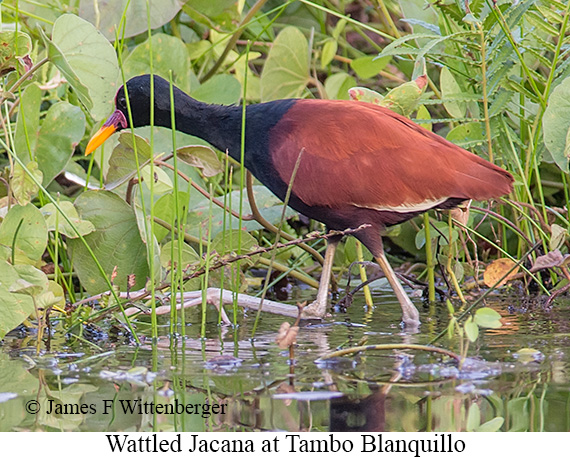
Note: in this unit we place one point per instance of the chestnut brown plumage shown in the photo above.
(362, 164)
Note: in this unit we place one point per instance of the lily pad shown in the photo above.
(24, 228)
(31, 281)
(92, 59)
(116, 243)
(286, 70)
(123, 163)
(107, 15)
(14, 308)
(61, 131)
(220, 90)
(28, 123)
(201, 157)
(55, 220)
(23, 186)
(161, 182)
(168, 54)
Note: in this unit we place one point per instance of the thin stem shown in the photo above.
(485, 98)
(233, 40)
(429, 259)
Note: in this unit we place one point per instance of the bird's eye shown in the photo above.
(121, 103)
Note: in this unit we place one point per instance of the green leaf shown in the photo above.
(57, 57)
(53, 217)
(339, 28)
(423, 114)
(424, 18)
(467, 135)
(440, 227)
(214, 14)
(201, 157)
(169, 255)
(420, 238)
(471, 329)
(493, 425)
(108, 15)
(31, 281)
(556, 124)
(169, 53)
(27, 226)
(92, 59)
(253, 89)
(24, 188)
(14, 308)
(116, 243)
(449, 89)
(164, 209)
(220, 90)
(61, 131)
(369, 66)
(286, 70)
(364, 94)
(15, 377)
(57, 296)
(557, 237)
(528, 355)
(12, 48)
(473, 417)
(269, 205)
(229, 243)
(451, 328)
(162, 182)
(329, 51)
(28, 123)
(338, 85)
(404, 98)
(488, 318)
(123, 163)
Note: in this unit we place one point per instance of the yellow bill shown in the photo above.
(116, 122)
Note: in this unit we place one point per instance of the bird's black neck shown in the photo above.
(217, 124)
(221, 125)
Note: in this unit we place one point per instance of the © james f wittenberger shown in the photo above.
(135, 406)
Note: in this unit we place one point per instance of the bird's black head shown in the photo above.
(139, 90)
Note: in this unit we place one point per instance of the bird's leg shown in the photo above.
(410, 314)
(318, 308)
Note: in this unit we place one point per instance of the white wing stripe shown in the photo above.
(411, 208)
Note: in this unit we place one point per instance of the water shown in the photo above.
(87, 384)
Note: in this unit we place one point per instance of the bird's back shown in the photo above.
(367, 156)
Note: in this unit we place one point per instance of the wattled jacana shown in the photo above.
(362, 164)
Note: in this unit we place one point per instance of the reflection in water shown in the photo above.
(365, 414)
(261, 388)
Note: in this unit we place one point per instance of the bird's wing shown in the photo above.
(365, 155)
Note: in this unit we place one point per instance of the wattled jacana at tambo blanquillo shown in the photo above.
(362, 164)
